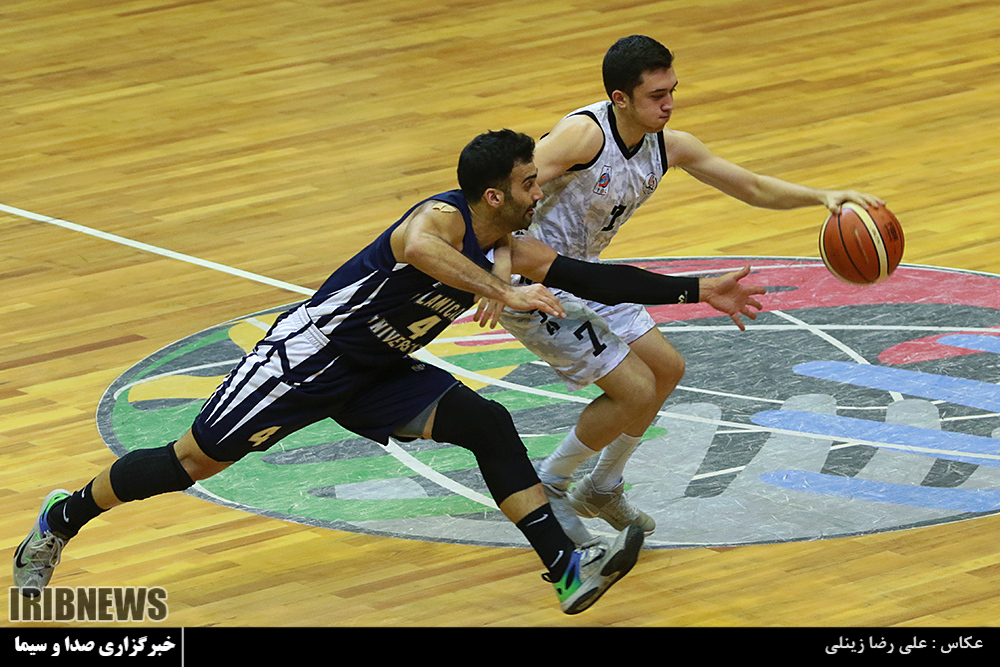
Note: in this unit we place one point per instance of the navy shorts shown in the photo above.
(293, 379)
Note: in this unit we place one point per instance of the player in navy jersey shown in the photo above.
(596, 167)
(345, 354)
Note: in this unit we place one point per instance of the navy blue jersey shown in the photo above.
(376, 310)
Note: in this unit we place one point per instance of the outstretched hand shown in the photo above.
(730, 296)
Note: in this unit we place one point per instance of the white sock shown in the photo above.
(610, 468)
(567, 457)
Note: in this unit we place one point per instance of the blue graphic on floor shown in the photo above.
(958, 500)
(971, 393)
(945, 445)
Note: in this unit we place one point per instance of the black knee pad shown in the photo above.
(485, 428)
(143, 473)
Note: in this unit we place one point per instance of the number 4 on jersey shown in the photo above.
(421, 327)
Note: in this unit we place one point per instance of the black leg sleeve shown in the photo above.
(143, 473)
(485, 428)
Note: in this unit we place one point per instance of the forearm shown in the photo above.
(443, 262)
(774, 193)
(620, 283)
(747, 186)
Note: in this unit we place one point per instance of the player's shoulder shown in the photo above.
(447, 205)
(439, 217)
(437, 207)
(575, 140)
(579, 126)
(680, 146)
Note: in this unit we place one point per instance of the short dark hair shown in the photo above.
(487, 161)
(629, 58)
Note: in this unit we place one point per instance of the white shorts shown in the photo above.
(587, 344)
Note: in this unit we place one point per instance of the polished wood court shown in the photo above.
(279, 137)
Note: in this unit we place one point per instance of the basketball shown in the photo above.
(861, 245)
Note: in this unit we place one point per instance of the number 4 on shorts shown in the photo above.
(260, 437)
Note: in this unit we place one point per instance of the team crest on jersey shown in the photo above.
(604, 181)
(650, 183)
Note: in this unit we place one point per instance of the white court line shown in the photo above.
(180, 371)
(403, 457)
(430, 358)
(822, 334)
(121, 240)
(674, 328)
(743, 428)
(896, 396)
(426, 356)
(433, 475)
(503, 337)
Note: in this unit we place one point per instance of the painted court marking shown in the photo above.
(406, 459)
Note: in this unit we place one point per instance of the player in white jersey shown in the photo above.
(596, 167)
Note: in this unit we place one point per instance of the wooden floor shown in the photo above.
(279, 136)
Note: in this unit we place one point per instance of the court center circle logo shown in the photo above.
(842, 410)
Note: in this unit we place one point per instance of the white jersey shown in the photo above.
(578, 216)
(582, 210)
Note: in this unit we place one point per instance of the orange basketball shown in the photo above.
(861, 245)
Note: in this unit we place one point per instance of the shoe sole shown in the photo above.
(617, 567)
